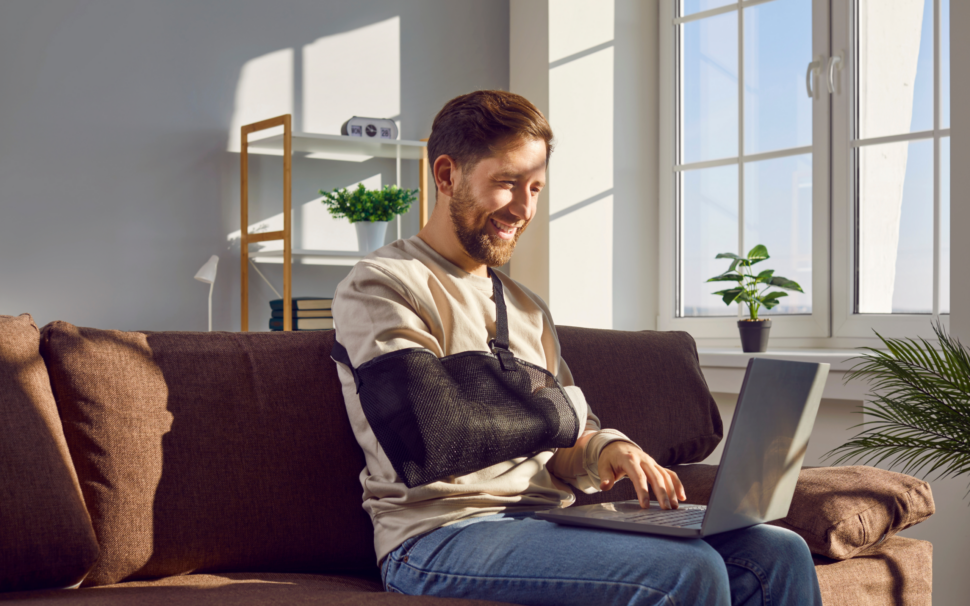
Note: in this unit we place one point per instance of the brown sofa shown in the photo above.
(221, 468)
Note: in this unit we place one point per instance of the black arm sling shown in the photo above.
(441, 417)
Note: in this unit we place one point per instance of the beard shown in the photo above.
(471, 227)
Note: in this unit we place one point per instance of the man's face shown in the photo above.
(494, 201)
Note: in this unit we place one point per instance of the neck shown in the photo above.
(439, 234)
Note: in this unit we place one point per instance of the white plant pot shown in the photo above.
(370, 235)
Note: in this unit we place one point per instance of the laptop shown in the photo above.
(756, 479)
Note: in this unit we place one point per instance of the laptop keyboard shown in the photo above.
(678, 518)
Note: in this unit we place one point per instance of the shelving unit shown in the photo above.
(325, 147)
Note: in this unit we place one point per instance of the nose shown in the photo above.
(523, 205)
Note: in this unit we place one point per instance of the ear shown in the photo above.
(445, 172)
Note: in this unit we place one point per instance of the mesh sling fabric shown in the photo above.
(441, 417)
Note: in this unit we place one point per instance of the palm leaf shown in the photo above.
(918, 409)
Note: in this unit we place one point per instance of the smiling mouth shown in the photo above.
(504, 231)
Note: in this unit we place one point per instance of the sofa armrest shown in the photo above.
(839, 511)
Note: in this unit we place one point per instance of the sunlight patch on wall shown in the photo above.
(581, 172)
(264, 90)
(355, 73)
(578, 25)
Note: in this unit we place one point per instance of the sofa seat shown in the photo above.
(236, 589)
(897, 571)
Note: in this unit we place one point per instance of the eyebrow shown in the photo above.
(503, 175)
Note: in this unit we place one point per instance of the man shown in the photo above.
(474, 536)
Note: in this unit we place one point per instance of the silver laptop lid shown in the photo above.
(766, 444)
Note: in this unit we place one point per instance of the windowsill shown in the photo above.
(727, 357)
(724, 368)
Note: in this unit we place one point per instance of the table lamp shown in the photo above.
(207, 274)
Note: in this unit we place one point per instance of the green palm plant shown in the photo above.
(918, 406)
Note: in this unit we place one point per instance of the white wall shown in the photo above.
(591, 250)
(115, 179)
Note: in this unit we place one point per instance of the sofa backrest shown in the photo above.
(46, 537)
(648, 385)
(210, 451)
(233, 451)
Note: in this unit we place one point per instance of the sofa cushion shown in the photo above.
(648, 385)
(243, 589)
(898, 571)
(839, 511)
(210, 451)
(872, 505)
(46, 538)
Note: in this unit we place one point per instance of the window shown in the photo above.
(744, 156)
(891, 167)
(832, 152)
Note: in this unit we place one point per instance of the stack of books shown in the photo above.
(309, 313)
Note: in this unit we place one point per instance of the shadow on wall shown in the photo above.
(387, 67)
(322, 84)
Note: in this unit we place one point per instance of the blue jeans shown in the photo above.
(518, 559)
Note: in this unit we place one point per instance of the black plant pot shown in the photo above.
(754, 335)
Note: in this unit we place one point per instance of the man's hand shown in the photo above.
(621, 459)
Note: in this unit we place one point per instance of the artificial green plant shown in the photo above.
(918, 409)
(750, 288)
(362, 204)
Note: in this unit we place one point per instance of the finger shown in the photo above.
(607, 477)
(658, 484)
(678, 485)
(669, 483)
(639, 480)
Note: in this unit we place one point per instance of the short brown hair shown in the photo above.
(476, 125)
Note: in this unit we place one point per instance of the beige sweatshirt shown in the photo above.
(407, 295)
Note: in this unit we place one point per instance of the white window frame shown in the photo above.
(818, 323)
(847, 323)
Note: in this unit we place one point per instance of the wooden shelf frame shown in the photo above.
(307, 142)
(246, 238)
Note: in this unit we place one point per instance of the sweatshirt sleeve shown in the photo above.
(375, 313)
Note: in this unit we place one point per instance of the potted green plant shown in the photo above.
(752, 290)
(917, 413)
(369, 210)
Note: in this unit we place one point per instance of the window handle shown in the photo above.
(835, 63)
(811, 71)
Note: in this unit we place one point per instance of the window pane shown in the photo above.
(895, 265)
(777, 49)
(945, 225)
(945, 64)
(688, 7)
(710, 226)
(778, 214)
(710, 88)
(895, 67)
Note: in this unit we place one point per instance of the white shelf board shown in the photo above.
(339, 145)
(309, 257)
